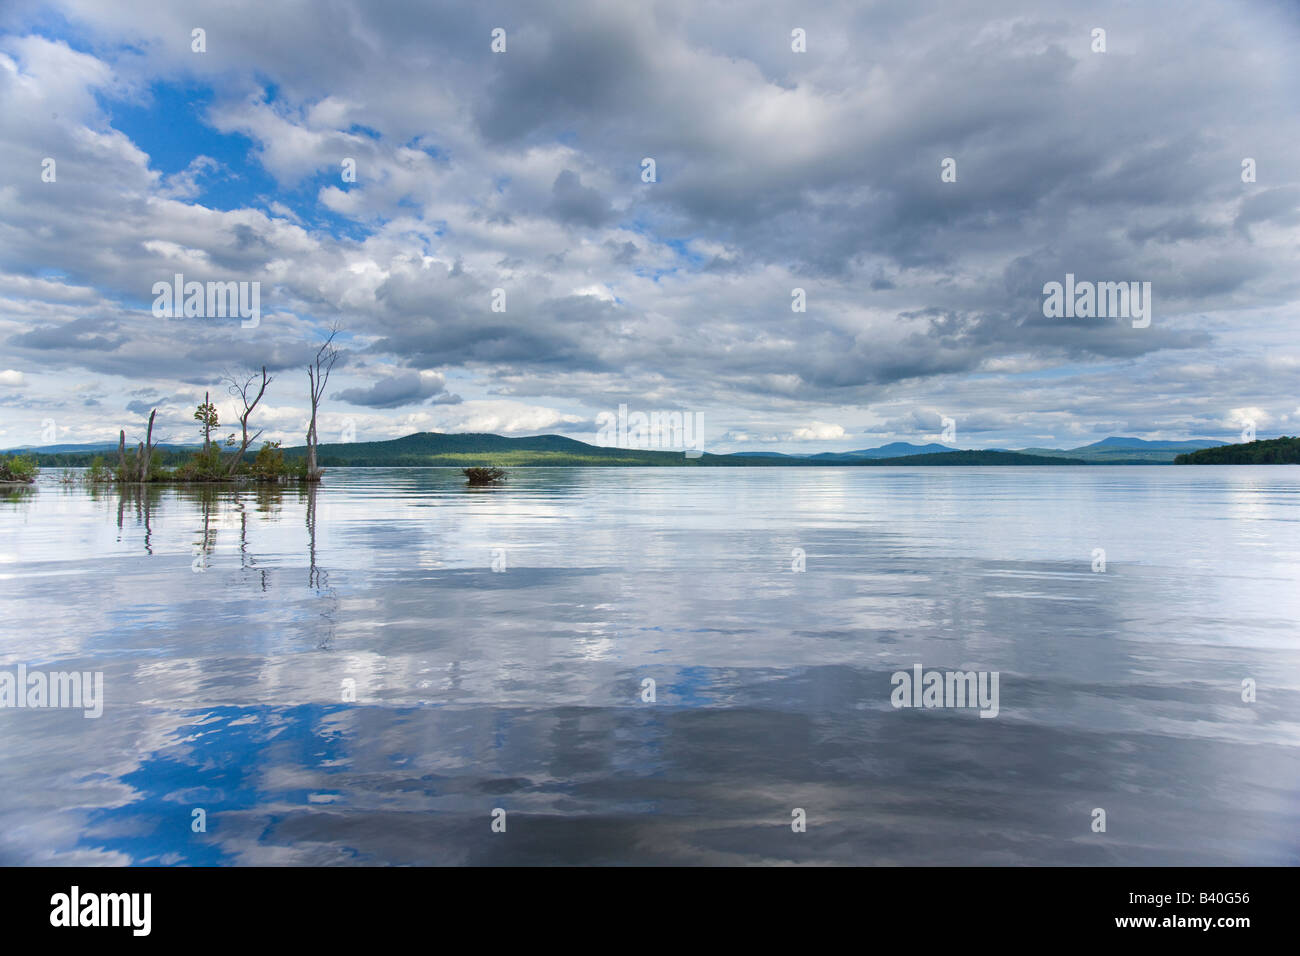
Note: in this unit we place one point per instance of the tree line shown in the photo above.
(1267, 451)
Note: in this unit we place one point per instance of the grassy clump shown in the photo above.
(99, 473)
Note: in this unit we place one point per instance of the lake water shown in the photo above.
(499, 642)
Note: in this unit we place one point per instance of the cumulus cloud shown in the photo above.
(185, 184)
(775, 171)
(817, 431)
(507, 418)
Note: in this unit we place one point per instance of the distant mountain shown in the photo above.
(477, 448)
(892, 450)
(1115, 450)
(425, 449)
(435, 448)
(897, 449)
(99, 448)
(974, 456)
(59, 449)
(1126, 451)
(1151, 445)
(1268, 451)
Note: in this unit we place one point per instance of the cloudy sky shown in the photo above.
(774, 170)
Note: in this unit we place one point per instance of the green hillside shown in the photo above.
(474, 448)
(1269, 451)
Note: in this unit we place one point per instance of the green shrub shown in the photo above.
(269, 464)
(204, 465)
(99, 472)
(129, 473)
(483, 476)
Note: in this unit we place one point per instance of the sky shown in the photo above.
(1170, 157)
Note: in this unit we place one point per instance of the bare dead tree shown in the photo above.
(144, 453)
(318, 373)
(241, 387)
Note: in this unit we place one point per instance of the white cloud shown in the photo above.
(504, 417)
(817, 431)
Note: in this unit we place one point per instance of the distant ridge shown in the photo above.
(1143, 443)
(436, 448)
(1116, 450)
(893, 450)
(1127, 451)
(92, 449)
(974, 456)
(464, 449)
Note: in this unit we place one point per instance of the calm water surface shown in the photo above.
(228, 624)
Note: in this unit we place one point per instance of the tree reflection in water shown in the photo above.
(318, 578)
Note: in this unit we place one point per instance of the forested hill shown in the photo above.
(1268, 451)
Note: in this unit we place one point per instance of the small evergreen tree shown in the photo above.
(206, 416)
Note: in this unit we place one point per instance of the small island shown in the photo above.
(483, 476)
(17, 470)
(215, 460)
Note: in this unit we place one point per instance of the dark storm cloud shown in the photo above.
(576, 203)
(564, 69)
(571, 332)
(79, 335)
(1279, 206)
(408, 388)
(144, 408)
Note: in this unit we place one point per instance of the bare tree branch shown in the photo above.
(318, 374)
(241, 386)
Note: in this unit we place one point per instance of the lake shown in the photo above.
(395, 669)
